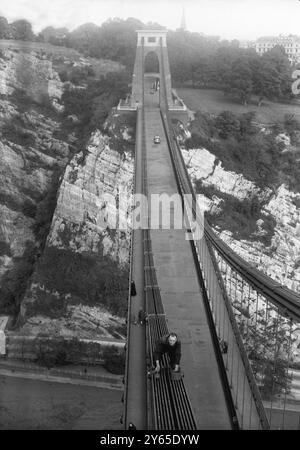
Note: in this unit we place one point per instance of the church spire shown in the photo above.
(183, 21)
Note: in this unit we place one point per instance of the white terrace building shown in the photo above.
(291, 45)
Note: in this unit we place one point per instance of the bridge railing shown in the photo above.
(269, 339)
(124, 418)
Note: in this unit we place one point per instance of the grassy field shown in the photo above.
(214, 101)
(28, 46)
(40, 405)
(100, 66)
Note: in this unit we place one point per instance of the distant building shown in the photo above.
(291, 45)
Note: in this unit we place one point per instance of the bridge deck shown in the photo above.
(181, 292)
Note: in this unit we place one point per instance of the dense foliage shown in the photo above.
(14, 281)
(243, 148)
(88, 279)
(238, 72)
(114, 361)
(91, 105)
(195, 59)
(19, 29)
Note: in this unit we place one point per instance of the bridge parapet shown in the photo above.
(127, 105)
(178, 103)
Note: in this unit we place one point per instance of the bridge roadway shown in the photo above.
(180, 290)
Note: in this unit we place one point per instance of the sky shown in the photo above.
(229, 19)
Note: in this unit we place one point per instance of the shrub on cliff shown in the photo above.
(14, 132)
(114, 360)
(4, 249)
(45, 209)
(241, 215)
(14, 282)
(92, 104)
(90, 279)
(244, 148)
(53, 353)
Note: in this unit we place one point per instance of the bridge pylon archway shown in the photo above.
(151, 41)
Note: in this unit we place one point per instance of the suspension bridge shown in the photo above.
(237, 326)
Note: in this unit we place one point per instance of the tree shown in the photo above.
(204, 74)
(222, 62)
(246, 123)
(5, 32)
(118, 40)
(22, 30)
(267, 339)
(269, 355)
(273, 75)
(54, 36)
(239, 80)
(266, 80)
(292, 126)
(53, 353)
(85, 38)
(228, 124)
(114, 361)
(14, 282)
(188, 52)
(115, 40)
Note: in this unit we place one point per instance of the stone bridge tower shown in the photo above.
(151, 41)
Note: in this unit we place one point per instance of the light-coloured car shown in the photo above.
(156, 139)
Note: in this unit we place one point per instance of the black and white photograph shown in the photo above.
(149, 217)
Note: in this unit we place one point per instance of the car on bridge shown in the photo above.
(156, 139)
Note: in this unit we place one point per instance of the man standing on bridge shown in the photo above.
(171, 345)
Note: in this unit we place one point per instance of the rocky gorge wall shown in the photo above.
(31, 160)
(80, 285)
(63, 266)
(280, 259)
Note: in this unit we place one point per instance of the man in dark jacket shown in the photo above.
(170, 345)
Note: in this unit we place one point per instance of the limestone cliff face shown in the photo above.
(203, 166)
(30, 72)
(84, 224)
(93, 201)
(29, 151)
(281, 259)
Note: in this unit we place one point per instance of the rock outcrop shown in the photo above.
(281, 259)
(93, 202)
(29, 151)
(29, 72)
(84, 224)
